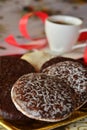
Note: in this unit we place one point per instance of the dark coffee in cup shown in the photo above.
(60, 22)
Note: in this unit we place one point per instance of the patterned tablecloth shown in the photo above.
(12, 10)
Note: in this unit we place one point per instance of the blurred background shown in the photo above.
(11, 11)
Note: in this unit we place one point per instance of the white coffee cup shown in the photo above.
(62, 32)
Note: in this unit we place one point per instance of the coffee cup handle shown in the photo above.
(82, 38)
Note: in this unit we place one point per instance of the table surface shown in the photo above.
(12, 10)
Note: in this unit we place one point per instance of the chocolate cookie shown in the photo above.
(43, 97)
(75, 74)
(11, 68)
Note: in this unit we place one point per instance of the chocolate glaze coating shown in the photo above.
(75, 74)
(11, 68)
(43, 97)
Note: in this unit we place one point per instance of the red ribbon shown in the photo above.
(37, 44)
(24, 20)
(83, 36)
(34, 44)
(22, 25)
(85, 55)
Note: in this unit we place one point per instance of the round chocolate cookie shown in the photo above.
(11, 68)
(43, 97)
(75, 74)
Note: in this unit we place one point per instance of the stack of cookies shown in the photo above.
(52, 94)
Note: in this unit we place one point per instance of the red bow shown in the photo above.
(35, 43)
